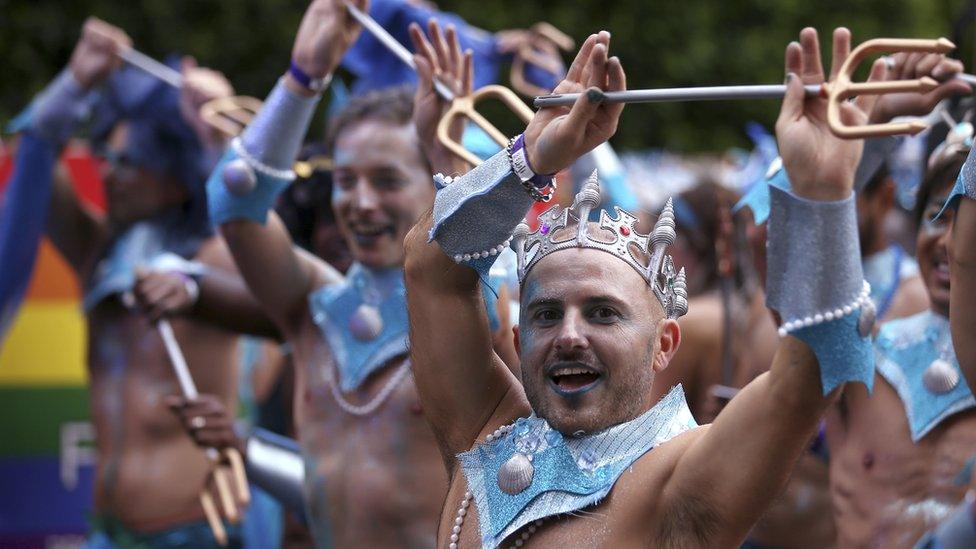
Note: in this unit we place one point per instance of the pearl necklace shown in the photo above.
(468, 496)
(366, 409)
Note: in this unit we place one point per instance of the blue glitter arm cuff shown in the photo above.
(475, 215)
(956, 532)
(257, 167)
(815, 283)
(56, 112)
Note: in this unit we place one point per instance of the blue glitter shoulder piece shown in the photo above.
(570, 473)
(333, 308)
(143, 244)
(965, 186)
(908, 351)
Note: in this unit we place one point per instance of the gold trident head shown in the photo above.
(230, 115)
(842, 88)
(464, 107)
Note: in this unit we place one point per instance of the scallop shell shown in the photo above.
(940, 377)
(865, 324)
(239, 177)
(515, 475)
(366, 323)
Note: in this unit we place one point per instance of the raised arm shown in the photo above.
(462, 383)
(815, 285)
(962, 272)
(257, 167)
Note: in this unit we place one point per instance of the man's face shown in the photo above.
(932, 248)
(132, 192)
(591, 336)
(381, 188)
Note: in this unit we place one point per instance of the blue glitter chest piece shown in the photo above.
(568, 473)
(915, 355)
(885, 271)
(335, 308)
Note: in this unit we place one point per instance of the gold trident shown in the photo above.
(842, 88)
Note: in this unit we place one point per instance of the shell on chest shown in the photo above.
(940, 377)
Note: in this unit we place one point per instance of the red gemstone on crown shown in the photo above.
(624, 230)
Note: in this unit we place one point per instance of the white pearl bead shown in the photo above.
(519, 543)
(525, 535)
(808, 321)
(490, 438)
(458, 258)
(456, 530)
(459, 521)
(829, 316)
(789, 326)
(467, 257)
(465, 504)
(463, 512)
(532, 529)
(454, 538)
(782, 332)
(467, 495)
(452, 546)
(494, 251)
(818, 319)
(848, 310)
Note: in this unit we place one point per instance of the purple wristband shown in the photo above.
(313, 84)
(523, 168)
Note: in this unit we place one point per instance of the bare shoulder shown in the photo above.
(658, 507)
(911, 298)
(322, 273)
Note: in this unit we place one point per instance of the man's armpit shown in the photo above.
(689, 521)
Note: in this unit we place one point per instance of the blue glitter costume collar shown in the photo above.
(162, 243)
(334, 306)
(570, 473)
(906, 348)
(884, 271)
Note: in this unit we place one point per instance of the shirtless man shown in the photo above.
(896, 454)
(372, 475)
(592, 334)
(148, 472)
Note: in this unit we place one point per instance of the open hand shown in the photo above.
(96, 54)
(201, 85)
(326, 32)
(439, 58)
(556, 137)
(820, 165)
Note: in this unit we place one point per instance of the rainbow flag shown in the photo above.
(46, 454)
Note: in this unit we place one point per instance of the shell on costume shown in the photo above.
(940, 377)
(239, 177)
(664, 229)
(366, 323)
(515, 475)
(865, 324)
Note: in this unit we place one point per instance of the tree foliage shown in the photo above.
(662, 43)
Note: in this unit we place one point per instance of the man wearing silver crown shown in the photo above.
(574, 453)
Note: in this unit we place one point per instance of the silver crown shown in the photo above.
(560, 229)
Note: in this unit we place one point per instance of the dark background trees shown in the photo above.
(661, 43)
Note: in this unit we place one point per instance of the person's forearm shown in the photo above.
(962, 271)
(225, 301)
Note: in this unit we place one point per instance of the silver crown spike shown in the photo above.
(661, 237)
(586, 200)
(518, 240)
(680, 295)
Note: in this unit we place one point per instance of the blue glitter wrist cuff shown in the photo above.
(254, 204)
(275, 135)
(59, 109)
(475, 215)
(815, 283)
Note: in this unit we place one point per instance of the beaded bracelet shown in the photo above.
(863, 299)
(531, 181)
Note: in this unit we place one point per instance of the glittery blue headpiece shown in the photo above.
(958, 142)
(560, 229)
